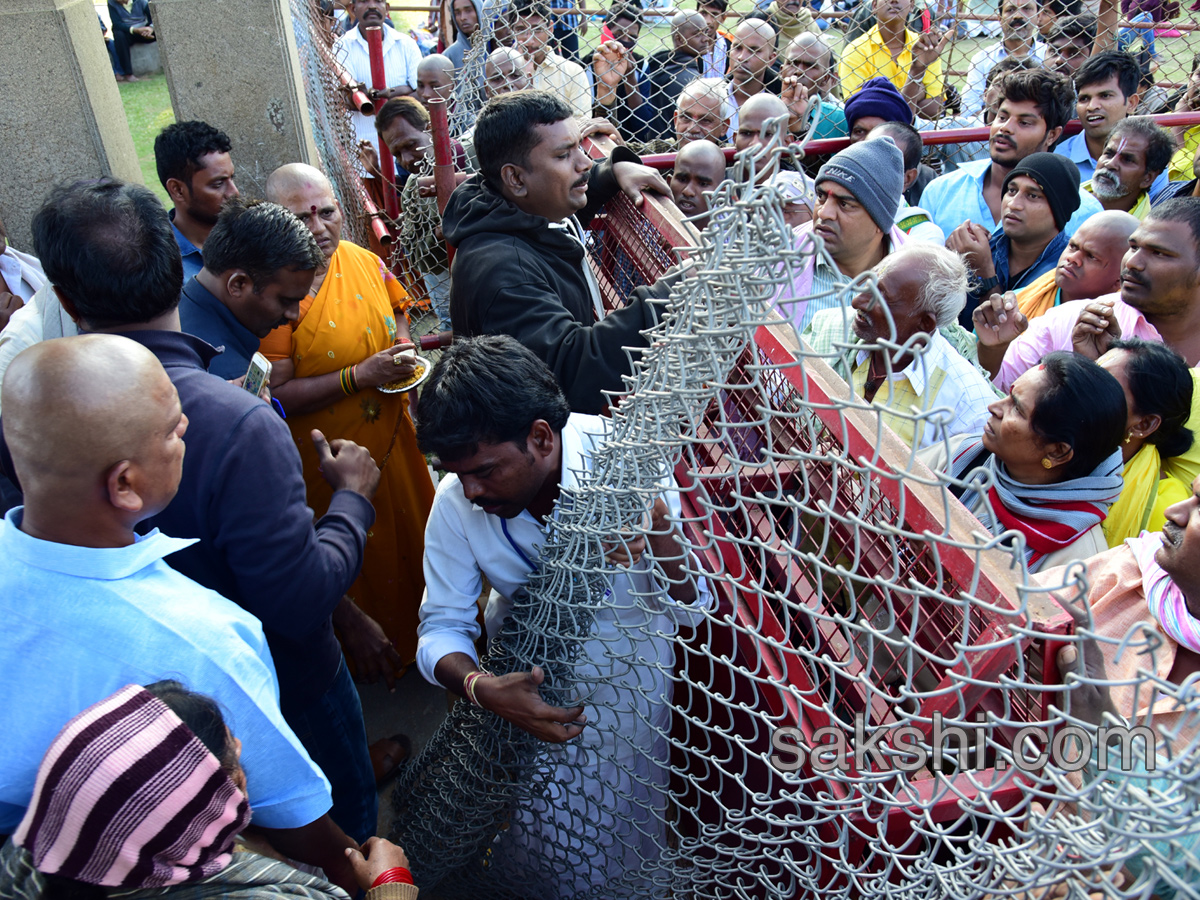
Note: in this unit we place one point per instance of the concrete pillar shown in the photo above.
(61, 117)
(233, 64)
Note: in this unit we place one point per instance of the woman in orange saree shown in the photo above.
(327, 365)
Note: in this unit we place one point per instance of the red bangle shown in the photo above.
(398, 875)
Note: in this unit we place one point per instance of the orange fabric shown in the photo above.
(352, 317)
(1037, 298)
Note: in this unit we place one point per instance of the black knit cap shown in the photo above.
(1058, 178)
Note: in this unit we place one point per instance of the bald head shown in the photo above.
(689, 33)
(113, 443)
(292, 177)
(754, 113)
(809, 59)
(435, 78)
(1090, 265)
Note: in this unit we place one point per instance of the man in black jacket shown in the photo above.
(520, 267)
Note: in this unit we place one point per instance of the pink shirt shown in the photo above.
(1052, 331)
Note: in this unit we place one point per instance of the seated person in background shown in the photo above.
(857, 194)
(71, 564)
(1069, 44)
(910, 61)
(347, 338)
(21, 277)
(699, 168)
(1052, 449)
(807, 70)
(533, 29)
(1106, 91)
(668, 72)
(131, 24)
(937, 393)
(751, 65)
(1018, 31)
(1089, 267)
(168, 753)
(1034, 106)
(195, 169)
(521, 267)
(1136, 153)
(496, 418)
(466, 16)
(790, 18)
(241, 469)
(259, 264)
(910, 218)
(1158, 395)
(1040, 195)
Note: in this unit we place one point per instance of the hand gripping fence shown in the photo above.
(856, 600)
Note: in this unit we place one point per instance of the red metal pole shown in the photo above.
(361, 101)
(391, 202)
(443, 153)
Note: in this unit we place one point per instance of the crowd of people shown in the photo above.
(1043, 291)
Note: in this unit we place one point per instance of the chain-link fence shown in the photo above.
(872, 704)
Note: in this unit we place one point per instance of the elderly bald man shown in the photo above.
(1089, 267)
(755, 113)
(507, 69)
(90, 606)
(809, 78)
(351, 337)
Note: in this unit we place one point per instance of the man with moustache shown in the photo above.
(401, 56)
(806, 67)
(1134, 156)
(1018, 31)
(521, 268)
(1089, 267)
(1034, 107)
(1159, 300)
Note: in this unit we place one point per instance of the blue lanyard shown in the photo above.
(520, 552)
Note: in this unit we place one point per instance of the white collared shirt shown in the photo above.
(401, 56)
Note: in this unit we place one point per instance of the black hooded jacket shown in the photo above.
(513, 274)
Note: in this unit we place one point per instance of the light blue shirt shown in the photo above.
(81, 623)
(1075, 149)
(957, 196)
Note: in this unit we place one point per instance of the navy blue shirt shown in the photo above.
(203, 315)
(242, 494)
(193, 259)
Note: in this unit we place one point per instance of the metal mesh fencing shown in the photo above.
(854, 715)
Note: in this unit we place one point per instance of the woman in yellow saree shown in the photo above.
(348, 341)
(1158, 392)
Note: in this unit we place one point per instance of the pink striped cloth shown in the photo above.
(1164, 599)
(128, 796)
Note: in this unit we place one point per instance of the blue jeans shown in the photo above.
(1127, 36)
(334, 734)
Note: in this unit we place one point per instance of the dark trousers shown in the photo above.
(334, 734)
(122, 41)
(567, 40)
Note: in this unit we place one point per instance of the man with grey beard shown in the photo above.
(1134, 155)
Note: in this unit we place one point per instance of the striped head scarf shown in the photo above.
(127, 796)
(1163, 597)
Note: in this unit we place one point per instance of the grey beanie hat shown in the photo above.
(873, 171)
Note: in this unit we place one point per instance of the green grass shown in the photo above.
(148, 109)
